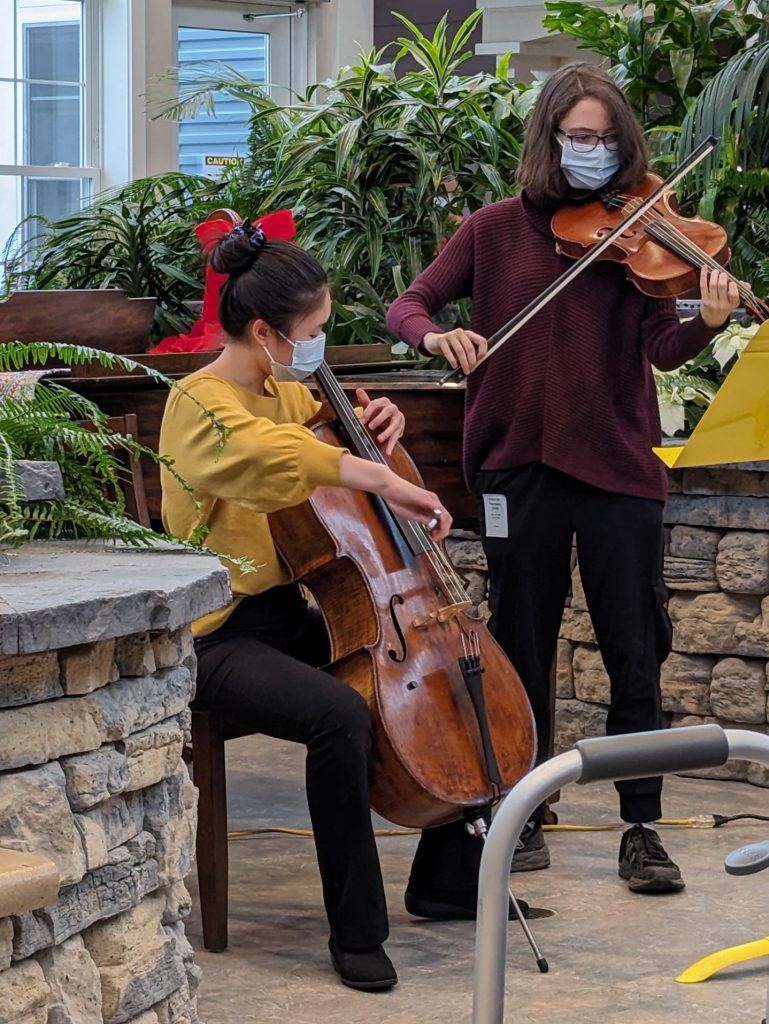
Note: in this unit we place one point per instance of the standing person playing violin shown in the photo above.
(259, 658)
(560, 424)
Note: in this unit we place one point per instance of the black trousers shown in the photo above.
(620, 549)
(260, 669)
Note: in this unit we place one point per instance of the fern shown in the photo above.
(44, 426)
(20, 355)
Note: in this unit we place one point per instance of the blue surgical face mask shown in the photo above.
(306, 357)
(588, 170)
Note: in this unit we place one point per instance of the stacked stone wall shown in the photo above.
(91, 776)
(717, 573)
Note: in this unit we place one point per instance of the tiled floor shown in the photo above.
(613, 956)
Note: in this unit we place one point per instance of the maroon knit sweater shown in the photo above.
(574, 388)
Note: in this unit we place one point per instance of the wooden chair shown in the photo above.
(133, 485)
(209, 734)
(135, 495)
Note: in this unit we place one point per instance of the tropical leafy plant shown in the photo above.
(732, 185)
(682, 396)
(378, 165)
(662, 53)
(138, 238)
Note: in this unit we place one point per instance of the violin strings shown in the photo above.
(690, 251)
(693, 253)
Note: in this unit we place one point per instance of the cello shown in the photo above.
(453, 729)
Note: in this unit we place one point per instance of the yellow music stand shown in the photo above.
(735, 427)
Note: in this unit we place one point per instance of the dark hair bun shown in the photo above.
(269, 278)
(239, 250)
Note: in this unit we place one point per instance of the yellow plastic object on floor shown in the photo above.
(715, 962)
(735, 427)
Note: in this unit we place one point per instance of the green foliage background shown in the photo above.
(139, 238)
(378, 163)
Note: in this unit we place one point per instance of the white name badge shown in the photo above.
(495, 509)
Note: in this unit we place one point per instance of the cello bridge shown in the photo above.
(449, 611)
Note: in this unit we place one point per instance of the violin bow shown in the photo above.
(495, 342)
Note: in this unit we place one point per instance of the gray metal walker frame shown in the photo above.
(632, 756)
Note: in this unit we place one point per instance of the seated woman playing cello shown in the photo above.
(258, 658)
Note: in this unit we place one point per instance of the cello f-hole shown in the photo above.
(393, 654)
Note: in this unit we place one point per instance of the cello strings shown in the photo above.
(439, 561)
(689, 250)
(450, 570)
(437, 557)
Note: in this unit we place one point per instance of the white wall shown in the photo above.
(155, 142)
(327, 37)
(339, 29)
(515, 26)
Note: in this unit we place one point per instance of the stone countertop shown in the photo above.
(58, 594)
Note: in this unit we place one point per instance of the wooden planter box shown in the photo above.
(434, 418)
(100, 318)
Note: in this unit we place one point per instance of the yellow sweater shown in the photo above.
(269, 461)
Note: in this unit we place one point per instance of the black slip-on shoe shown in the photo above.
(645, 865)
(369, 970)
(441, 906)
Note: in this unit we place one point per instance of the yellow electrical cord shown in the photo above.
(698, 821)
(699, 971)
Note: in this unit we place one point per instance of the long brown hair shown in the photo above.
(539, 172)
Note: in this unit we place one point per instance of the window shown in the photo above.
(256, 39)
(46, 167)
(224, 133)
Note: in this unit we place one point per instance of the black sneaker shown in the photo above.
(451, 906)
(368, 970)
(645, 865)
(531, 851)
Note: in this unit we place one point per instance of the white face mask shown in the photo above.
(588, 170)
(306, 357)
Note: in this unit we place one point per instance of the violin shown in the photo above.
(453, 727)
(642, 230)
(662, 252)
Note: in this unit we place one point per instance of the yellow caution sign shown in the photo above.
(735, 427)
(224, 161)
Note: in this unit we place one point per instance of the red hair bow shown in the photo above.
(275, 225)
(207, 333)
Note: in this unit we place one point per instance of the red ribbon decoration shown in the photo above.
(275, 225)
(207, 334)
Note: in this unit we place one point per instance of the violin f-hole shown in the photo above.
(393, 654)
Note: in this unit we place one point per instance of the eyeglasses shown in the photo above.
(585, 142)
